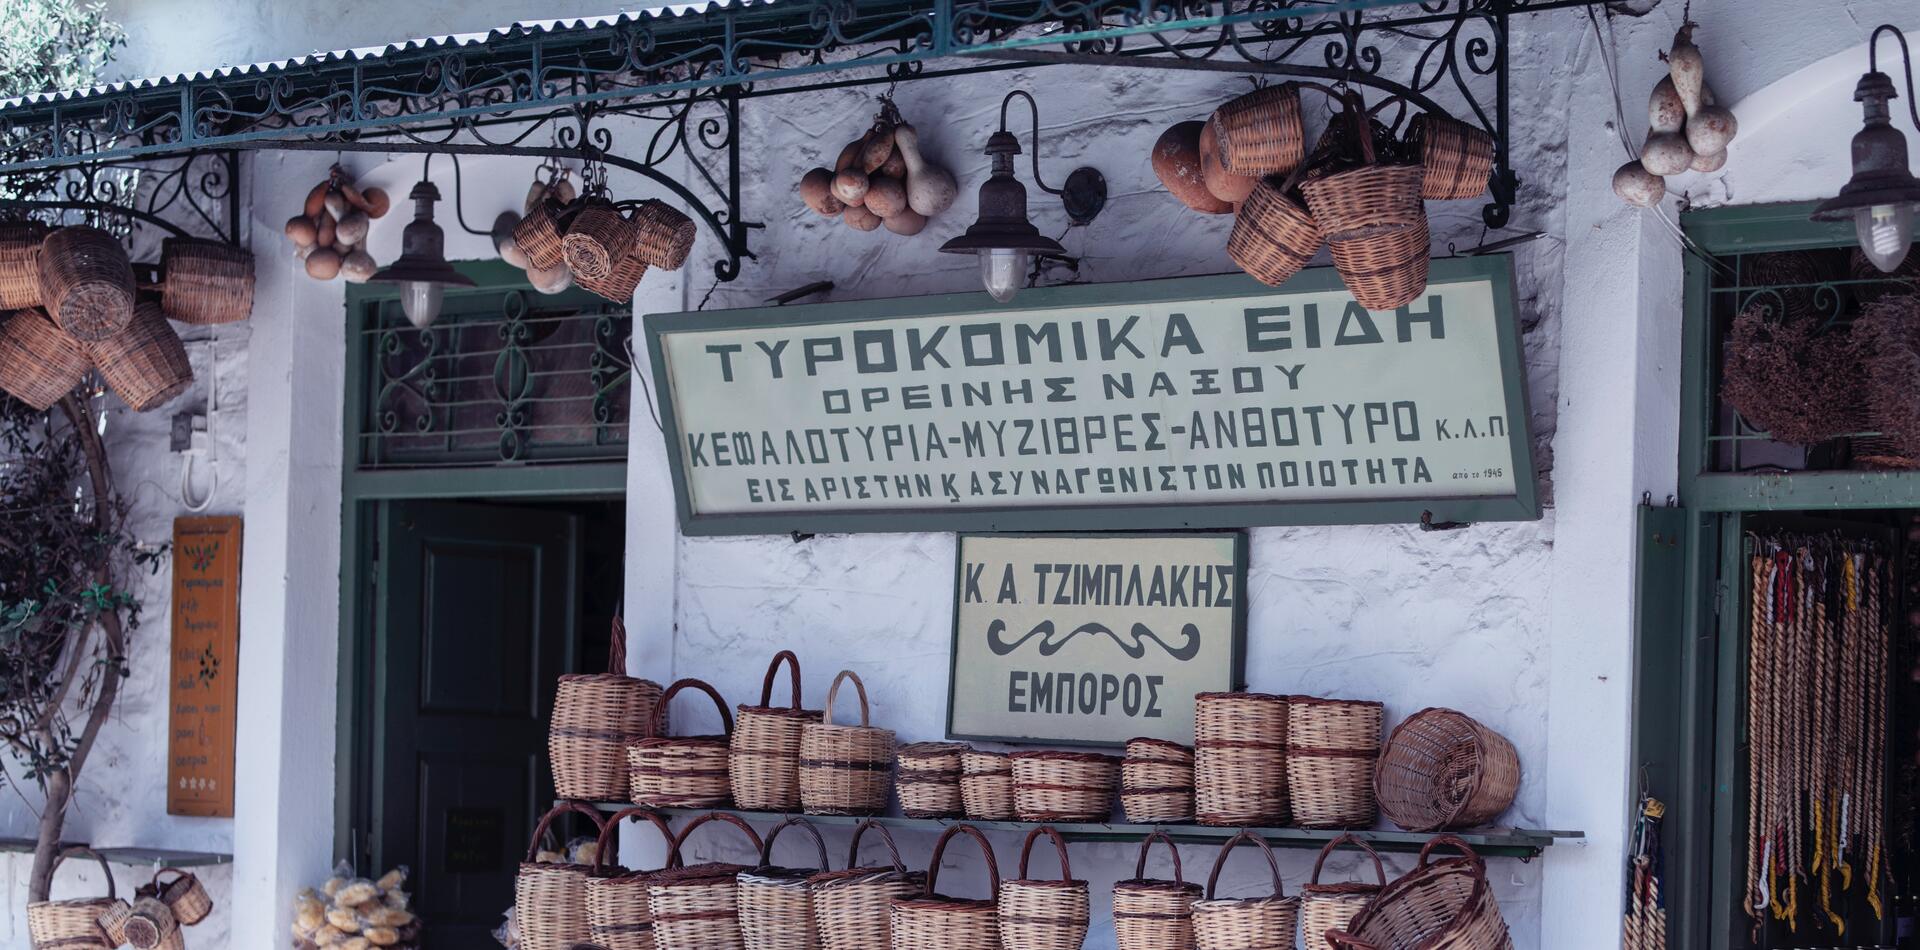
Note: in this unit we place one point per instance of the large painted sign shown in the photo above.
(1093, 639)
(205, 666)
(1197, 402)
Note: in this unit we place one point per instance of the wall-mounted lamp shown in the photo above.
(1882, 195)
(422, 270)
(1003, 239)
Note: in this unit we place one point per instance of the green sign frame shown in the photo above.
(1521, 505)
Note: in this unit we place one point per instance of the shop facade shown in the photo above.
(1553, 630)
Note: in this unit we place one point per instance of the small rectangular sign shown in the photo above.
(1093, 639)
(206, 652)
(1186, 403)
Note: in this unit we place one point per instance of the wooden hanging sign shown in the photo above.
(206, 653)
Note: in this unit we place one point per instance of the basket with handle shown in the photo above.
(1446, 905)
(681, 771)
(1039, 914)
(776, 904)
(39, 362)
(1064, 786)
(929, 779)
(541, 233)
(663, 236)
(552, 895)
(184, 894)
(20, 263)
(763, 761)
(1156, 782)
(845, 769)
(1375, 222)
(1154, 914)
(596, 716)
(149, 924)
(931, 922)
(1239, 759)
(852, 908)
(1244, 923)
(1325, 907)
(986, 785)
(145, 363)
(696, 906)
(1443, 770)
(73, 923)
(597, 238)
(1456, 159)
(617, 917)
(204, 282)
(1261, 132)
(86, 282)
(1331, 746)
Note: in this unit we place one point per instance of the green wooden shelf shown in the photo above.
(1523, 843)
(135, 857)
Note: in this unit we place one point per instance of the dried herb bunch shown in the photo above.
(1887, 348)
(1790, 377)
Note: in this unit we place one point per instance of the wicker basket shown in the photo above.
(149, 924)
(1385, 272)
(540, 234)
(1442, 770)
(552, 896)
(1261, 133)
(617, 916)
(1456, 159)
(598, 237)
(986, 785)
(1375, 223)
(932, 922)
(1153, 914)
(619, 283)
(1325, 907)
(39, 362)
(1064, 786)
(146, 364)
(852, 908)
(20, 263)
(1331, 745)
(1239, 759)
(72, 924)
(1156, 782)
(1244, 923)
(663, 236)
(86, 282)
(1041, 914)
(596, 716)
(113, 922)
(845, 770)
(697, 906)
(776, 904)
(681, 771)
(184, 895)
(1446, 905)
(929, 779)
(763, 761)
(1273, 237)
(205, 281)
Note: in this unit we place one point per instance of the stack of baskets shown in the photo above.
(617, 916)
(1445, 903)
(929, 780)
(73, 923)
(1156, 782)
(552, 896)
(986, 785)
(595, 718)
(852, 909)
(763, 759)
(684, 771)
(1442, 770)
(1044, 914)
(1375, 222)
(1331, 747)
(1240, 742)
(776, 903)
(1153, 914)
(1325, 907)
(1064, 786)
(697, 906)
(845, 770)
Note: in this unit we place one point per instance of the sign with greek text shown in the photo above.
(1195, 402)
(1093, 639)
(206, 653)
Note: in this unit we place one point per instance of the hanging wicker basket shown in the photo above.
(20, 243)
(1244, 923)
(1154, 914)
(681, 771)
(1239, 759)
(1444, 904)
(596, 716)
(929, 779)
(149, 924)
(845, 770)
(619, 282)
(763, 762)
(183, 894)
(1375, 223)
(39, 362)
(86, 282)
(1038, 914)
(74, 923)
(617, 916)
(932, 922)
(1156, 782)
(1442, 770)
(1325, 907)
(598, 237)
(1331, 746)
(663, 235)
(852, 909)
(1273, 236)
(986, 785)
(1064, 786)
(696, 906)
(205, 282)
(776, 904)
(145, 364)
(552, 896)
(540, 234)
(1456, 159)
(1261, 133)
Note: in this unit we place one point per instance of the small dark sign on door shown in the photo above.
(473, 840)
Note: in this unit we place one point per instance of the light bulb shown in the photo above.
(420, 300)
(1886, 232)
(1003, 270)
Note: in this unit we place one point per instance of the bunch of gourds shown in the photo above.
(330, 232)
(880, 179)
(1687, 130)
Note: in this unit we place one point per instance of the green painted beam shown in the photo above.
(1804, 491)
(134, 857)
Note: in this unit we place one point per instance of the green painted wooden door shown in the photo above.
(475, 610)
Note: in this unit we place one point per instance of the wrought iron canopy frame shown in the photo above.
(690, 73)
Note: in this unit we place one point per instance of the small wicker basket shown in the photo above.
(617, 916)
(73, 923)
(663, 236)
(776, 904)
(986, 785)
(1244, 923)
(552, 896)
(1273, 236)
(681, 771)
(1261, 133)
(619, 283)
(20, 263)
(596, 716)
(1156, 782)
(932, 922)
(541, 232)
(145, 363)
(1446, 903)
(1064, 786)
(1239, 759)
(1040, 914)
(697, 906)
(1325, 907)
(1375, 223)
(763, 760)
(149, 925)
(86, 282)
(929, 779)
(1442, 770)
(205, 282)
(183, 894)
(1154, 914)
(1331, 746)
(39, 362)
(1456, 159)
(598, 237)
(845, 770)
(852, 908)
